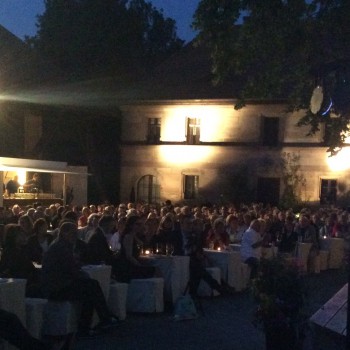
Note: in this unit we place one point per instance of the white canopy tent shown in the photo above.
(38, 166)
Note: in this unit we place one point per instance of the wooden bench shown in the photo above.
(331, 317)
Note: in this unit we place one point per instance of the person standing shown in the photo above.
(12, 186)
(33, 185)
(251, 244)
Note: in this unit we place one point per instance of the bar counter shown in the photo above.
(24, 199)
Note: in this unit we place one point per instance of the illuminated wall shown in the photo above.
(219, 123)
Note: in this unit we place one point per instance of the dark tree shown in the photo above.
(90, 42)
(284, 49)
(85, 38)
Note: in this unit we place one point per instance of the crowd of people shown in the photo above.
(63, 238)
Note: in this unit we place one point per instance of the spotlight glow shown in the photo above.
(341, 161)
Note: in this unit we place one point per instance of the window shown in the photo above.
(193, 131)
(153, 132)
(191, 186)
(328, 191)
(148, 189)
(270, 131)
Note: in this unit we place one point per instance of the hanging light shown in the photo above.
(316, 99)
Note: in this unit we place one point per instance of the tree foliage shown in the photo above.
(293, 180)
(84, 38)
(283, 49)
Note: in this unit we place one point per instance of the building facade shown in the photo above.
(207, 151)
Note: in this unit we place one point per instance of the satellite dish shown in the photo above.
(316, 100)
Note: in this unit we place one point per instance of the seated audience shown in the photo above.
(15, 263)
(26, 224)
(149, 236)
(14, 214)
(87, 231)
(98, 249)
(83, 219)
(306, 233)
(129, 266)
(288, 237)
(114, 242)
(217, 236)
(63, 280)
(232, 229)
(168, 235)
(39, 242)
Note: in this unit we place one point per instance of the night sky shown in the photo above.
(19, 16)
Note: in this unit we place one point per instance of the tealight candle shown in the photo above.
(147, 252)
(219, 248)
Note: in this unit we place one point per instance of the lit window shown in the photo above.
(191, 183)
(153, 132)
(193, 131)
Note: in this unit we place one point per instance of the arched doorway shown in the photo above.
(148, 189)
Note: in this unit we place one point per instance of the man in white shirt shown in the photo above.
(251, 247)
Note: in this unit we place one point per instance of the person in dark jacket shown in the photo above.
(39, 242)
(62, 279)
(97, 246)
(192, 230)
(169, 235)
(15, 263)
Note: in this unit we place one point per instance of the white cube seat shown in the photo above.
(34, 315)
(336, 253)
(60, 318)
(324, 255)
(118, 293)
(145, 295)
(245, 276)
(204, 290)
(315, 264)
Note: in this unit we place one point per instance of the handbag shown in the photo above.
(185, 308)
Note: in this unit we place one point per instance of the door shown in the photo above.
(268, 190)
(328, 191)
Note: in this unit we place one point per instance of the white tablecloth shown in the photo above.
(101, 273)
(229, 263)
(12, 299)
(269, 252)
(302, 253)
(175, 271)
(12, 296)
(325, 243)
